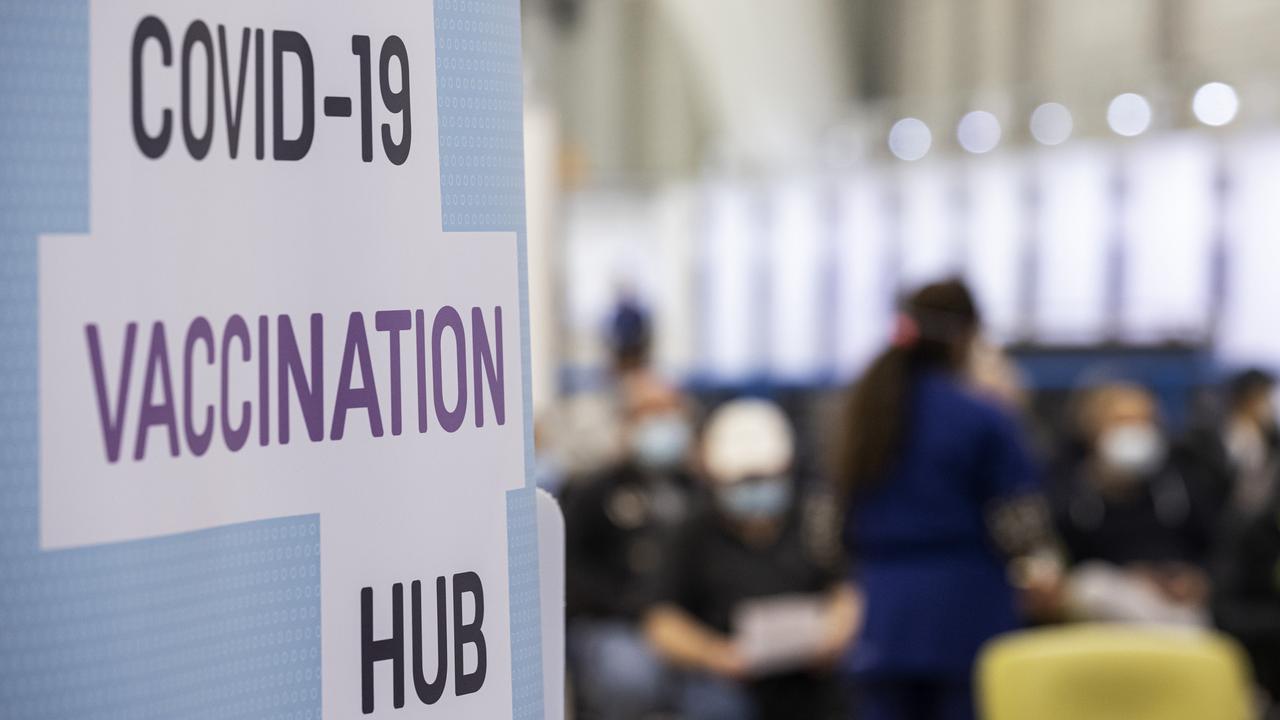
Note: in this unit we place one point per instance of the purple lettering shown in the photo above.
(393, 322)
(310, 394)
(198, 442)
(112, 420)
(298, 369)
(161, 413)
(482, 355)
(421, 340)
(235, 437)
(448, 318)
(264, 384)
(365, 396)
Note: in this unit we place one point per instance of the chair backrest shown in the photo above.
(1114, 672)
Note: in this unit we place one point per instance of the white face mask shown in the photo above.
(1132, 450)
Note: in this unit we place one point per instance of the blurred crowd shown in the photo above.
(715, 571)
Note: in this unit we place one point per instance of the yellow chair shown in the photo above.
(1114, 672)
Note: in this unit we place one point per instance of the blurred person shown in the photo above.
(1252, 441)
(630, 334)
(753, 605)
(582, 436)
(1136, 531)
(990, 371)
(576, 438)
(630, 341)
(1246, 596)
(617, 525)
(941, 496)
(1237, 459)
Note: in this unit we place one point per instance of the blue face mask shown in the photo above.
(660, 442)
(762, 499)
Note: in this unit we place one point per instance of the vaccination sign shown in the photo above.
(263, 361)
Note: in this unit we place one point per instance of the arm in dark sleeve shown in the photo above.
(1008, 469)
(1202, 460)
(1209, 515)
(589, 535)
(672, 624)
(1017, 513)
(1246, 596)
(820, 520)
(676, 579)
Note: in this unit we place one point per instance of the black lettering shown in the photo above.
(233, 110)
(153, 146)
(468, 634)
(197, 33)
(430, 692)
(287, 41)
(397, 102)
(372, 651)
(259, 97)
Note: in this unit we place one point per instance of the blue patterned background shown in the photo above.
(218, 623)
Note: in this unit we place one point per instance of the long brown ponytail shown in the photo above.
(935, 326)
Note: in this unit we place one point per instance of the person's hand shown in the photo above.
(1185, 585)
(844, 620)
(724, 660)
(1041, 586)
(831, 651)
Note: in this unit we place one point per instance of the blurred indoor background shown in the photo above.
(737, 167)
(756, 185)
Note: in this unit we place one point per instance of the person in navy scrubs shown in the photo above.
(928, 466)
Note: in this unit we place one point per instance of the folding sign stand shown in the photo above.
(551, 566)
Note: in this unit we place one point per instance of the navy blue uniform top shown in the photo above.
(936, 586)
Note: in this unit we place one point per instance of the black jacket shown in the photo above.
(1246, 599)
(618, 529)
